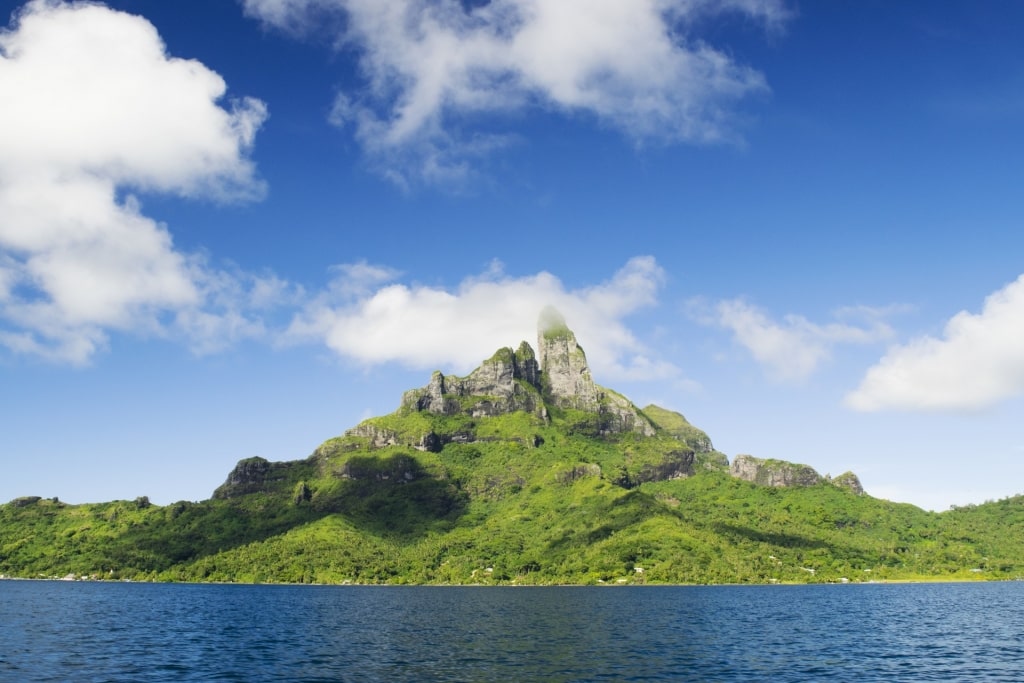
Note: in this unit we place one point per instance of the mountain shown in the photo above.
(524, 471)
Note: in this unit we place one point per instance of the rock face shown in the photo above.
(849, 480)
(398, 468)
(253, 475)
(773, 472)
(564, 365)
(567, 382)
(553, 382)
(781, 473)
(378, 437)
(521, 380)
(675, 465)
(578, 472)
(508, 381)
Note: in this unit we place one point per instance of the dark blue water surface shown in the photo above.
(56, 631)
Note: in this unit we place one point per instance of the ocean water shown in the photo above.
(112, 632)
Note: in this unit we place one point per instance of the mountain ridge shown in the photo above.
(525, 471)
(557, 377)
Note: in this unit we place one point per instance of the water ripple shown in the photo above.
(53, 631)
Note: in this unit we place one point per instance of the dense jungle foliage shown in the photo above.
(519, 498)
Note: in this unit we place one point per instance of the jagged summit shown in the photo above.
(507, 381)
(563, 364)
(555, 389)
(557, 375)
(551, 321)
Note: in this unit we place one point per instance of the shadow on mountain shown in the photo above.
(391, 497)
(778, 540)
(606, 519)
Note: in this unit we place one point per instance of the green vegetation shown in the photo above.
(493, 491)
(520, 500)
(552, 325)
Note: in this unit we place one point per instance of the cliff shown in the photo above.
(557, 375)
(451, 490)
(258, 475)
(508, 381)
(782, 473)
(773, 472)
(523, 471)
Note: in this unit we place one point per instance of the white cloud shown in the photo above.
(794, 348)
(91, 105)
(89, 90)
(978, 361)
(234, 305)
(430, 65)
(8, 276)
(368, 317)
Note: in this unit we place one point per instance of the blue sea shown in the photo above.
(112, 632)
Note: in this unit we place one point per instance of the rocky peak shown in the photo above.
(567, 382)
(509, 380)
(527, 366)
(556, 375)
(563, 364)
(849, 481)
(497, 375)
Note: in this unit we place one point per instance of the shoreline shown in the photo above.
(918, 581)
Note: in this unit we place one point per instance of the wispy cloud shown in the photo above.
(792, 348)
(93, 107)
(977, 362)
(369, 317)
(431, 65)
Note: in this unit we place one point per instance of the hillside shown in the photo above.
(525, 471)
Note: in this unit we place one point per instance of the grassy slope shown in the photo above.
(527, 502)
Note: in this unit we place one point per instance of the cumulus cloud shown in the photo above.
(93, 107)
(978, 361)
(793, 348)
(369, 317)
(430, 66)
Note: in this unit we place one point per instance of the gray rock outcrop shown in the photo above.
(377, 436)
(509, 380)
(782, 473)
(567, 382)
(254, 475)
(773, 472)
(675, 465)
(398, 468)
(564, 370)
(849, 481)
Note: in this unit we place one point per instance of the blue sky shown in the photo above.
(235, 228)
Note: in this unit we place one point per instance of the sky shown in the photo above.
(232, 228)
